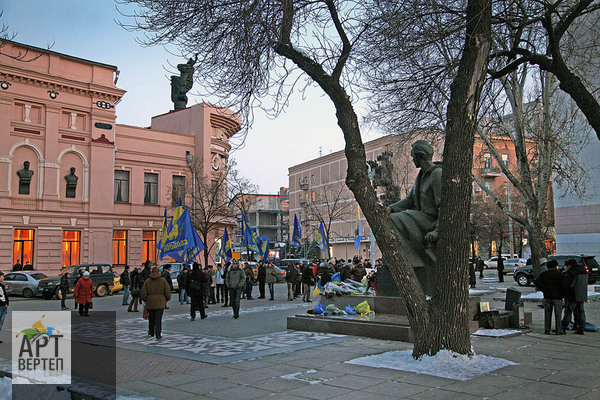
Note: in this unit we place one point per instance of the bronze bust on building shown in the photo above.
(25, 175)
(71, 184)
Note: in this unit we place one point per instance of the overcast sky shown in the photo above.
(87, 29)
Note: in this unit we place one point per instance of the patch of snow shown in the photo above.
(298, 377)
(496, 332)
(540, 295)
(445, 364)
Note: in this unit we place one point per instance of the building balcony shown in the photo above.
(304, 203)
(304, 185)
(489, 172)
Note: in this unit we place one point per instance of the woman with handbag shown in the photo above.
(136, 289)
(195, 285)
(84, 290)
(155, 293)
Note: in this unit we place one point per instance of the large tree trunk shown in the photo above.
(447, 332)
(450, 302)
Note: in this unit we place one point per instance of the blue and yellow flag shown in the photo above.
(225, 252)
(249, 237)
(297, 234)
(264, 247)
(182, 242)
(320, 239)
(357, 236)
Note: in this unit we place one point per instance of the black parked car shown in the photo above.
(101, 274)
(524, 275)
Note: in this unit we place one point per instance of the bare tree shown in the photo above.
(248, 49)
(332, 203)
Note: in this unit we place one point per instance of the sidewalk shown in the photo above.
(549, 367)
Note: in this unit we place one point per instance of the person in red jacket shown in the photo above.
(83, 294)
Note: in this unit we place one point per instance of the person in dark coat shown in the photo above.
(576, 284)
(552, 283)
(156, 291)
(472, 277)
(235, 281)
(126, 282)
(145, 274)
(181, 282)
(84, 290)
(63, 286)
(500, 268)
(249, 281)
(271, 278)
(226, 294)
(262, 278)
(18, 266)
(136, 290)
(344, 272)
(324, 272)
(290, 278)
(308, 280)
(195, 285)
(480, 265)
(358, 272)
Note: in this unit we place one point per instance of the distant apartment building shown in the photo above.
(267, 215)
(78, 188)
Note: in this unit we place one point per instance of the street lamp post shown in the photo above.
(190, 159)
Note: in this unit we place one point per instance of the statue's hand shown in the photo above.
(431, 237)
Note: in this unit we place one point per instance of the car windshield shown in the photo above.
(68, 270)
(38, 276)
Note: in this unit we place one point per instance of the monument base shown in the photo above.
(387, 287)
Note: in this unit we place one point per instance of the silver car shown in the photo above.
(23, 283)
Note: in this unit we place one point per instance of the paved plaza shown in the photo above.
(256, 357)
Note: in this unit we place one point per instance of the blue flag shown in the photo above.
(264, 247)
(249, 237)
(297, 234)
(357, 236)
(182, 242)
(225, 252)
(320, 239)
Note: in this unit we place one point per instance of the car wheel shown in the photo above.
(523, 280)
(27, 292)
(101, 291)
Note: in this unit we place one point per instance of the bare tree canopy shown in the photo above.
(247, 52)
(415, 54)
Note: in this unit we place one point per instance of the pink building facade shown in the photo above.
(57, 112)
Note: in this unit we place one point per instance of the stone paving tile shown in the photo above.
(391, 388)
(169, 393)
(592, 395)
(207, 386)
(354, 382)
(278, 384)
(212, 371)
(240, 392)
(556, 390)
(365, 395)
(523, 371)
(493, 384)
(443, 394)
(140, 386)
(172, 380)
(581, 379)
(319, 391)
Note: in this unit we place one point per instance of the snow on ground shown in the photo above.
(305, 377)
(540, 296)
(445, 364)
(496, 332)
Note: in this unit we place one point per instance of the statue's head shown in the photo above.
(72, 170)
(26, 164)
(421, 150)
